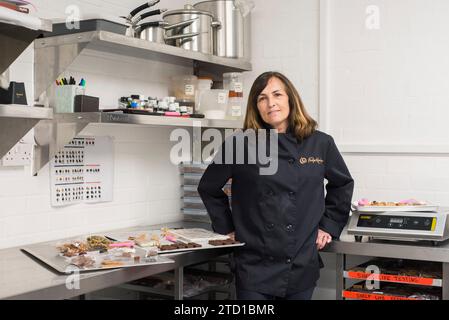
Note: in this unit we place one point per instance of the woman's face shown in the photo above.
(273, 105)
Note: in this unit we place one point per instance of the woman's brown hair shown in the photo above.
(301, 124)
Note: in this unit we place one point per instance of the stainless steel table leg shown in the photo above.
(213, 268)
(340, 268)
(179, 283)
(445, 281)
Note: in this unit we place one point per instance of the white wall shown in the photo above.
(388, 86)
(285, 38)
(147, 186)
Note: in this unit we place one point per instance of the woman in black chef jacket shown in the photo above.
(284, 218)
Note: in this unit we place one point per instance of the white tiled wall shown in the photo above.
(146, 184)
(285, 38)
(388, 87)
(388, 83)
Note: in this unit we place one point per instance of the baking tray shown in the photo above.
(49, 254)
(124, 236)
(60, 29)
(392, 291)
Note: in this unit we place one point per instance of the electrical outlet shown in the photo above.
(19, 156)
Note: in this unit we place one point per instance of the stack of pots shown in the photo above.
(204, 25)
(223, 28)
(233, 38)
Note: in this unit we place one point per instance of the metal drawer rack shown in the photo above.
(193, 206)
(393, 279)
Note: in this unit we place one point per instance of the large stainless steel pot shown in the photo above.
(156, 31)
(205, 25)
(233, 38)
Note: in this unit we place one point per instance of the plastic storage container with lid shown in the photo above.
(183, 87)
(214, 103)
(204, 84)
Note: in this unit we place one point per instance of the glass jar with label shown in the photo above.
(204, 84)
(235, 108)
(183, 87)
(233, 82)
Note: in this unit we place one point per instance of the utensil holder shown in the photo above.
(65, 98)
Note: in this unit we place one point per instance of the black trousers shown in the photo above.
(252, 295)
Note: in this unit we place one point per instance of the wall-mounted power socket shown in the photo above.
(19, 156)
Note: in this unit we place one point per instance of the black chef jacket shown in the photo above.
(278, 216)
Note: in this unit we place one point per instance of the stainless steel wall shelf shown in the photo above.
(52, 135)
(16, 121)
(54, 55)
(132, 119)
(15, 38)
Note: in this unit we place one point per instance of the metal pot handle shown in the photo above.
(147, 25)
(149, 14)
(183, 36)
(181, 24)
(143, 7)
(216, 24)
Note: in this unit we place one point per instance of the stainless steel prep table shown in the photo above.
(422, 251)
(24, 277)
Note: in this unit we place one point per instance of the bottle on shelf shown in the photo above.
(233, 82)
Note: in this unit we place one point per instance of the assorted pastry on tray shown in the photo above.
(99, 252)
(403, 203)
(79, 248)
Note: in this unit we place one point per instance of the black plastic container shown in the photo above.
(60, 29)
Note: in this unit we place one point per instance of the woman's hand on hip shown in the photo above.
(323, 239)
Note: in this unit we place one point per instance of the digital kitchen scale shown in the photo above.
(402, 226)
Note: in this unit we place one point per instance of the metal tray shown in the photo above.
(204, 243)
(48, 254)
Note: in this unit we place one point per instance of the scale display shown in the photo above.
(397, 222)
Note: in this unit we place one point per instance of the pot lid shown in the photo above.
(188, 9)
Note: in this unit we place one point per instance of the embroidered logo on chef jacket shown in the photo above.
(311, 160)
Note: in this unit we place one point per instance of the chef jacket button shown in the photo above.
(291, 161)
(288, 261)
(289, 227)
(270, 226)
(292, 194)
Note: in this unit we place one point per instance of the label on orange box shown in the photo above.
(372, 296)
(391, 278)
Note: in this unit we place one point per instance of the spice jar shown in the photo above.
(183, 87)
